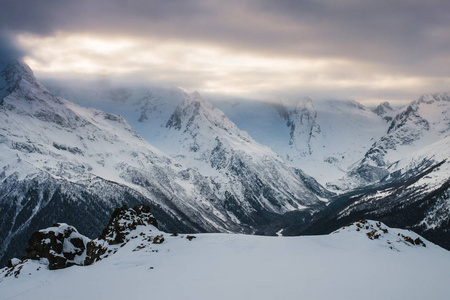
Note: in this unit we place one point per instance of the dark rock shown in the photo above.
(190, 237)
(53, 244)
(122, 222)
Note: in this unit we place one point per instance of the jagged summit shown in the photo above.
(15, 74)
(430, 98)
(385, 111)
(195, 111)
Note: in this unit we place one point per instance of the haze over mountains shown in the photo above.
(294, 166)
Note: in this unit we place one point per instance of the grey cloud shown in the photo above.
(8, 48)
(401, 37)
(400, 32)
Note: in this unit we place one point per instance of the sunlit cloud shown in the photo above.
(210, 68)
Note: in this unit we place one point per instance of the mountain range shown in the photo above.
(63, 161)
(290, 166)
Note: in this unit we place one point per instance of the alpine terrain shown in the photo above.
(61, 161)
(133, 259)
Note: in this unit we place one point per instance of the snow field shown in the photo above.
(345, 265)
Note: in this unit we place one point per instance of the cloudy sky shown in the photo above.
(370, 50)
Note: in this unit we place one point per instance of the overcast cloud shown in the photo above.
(350, 49)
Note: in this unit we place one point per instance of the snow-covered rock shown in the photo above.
(61, 245)
(120, 230)
(393, 239)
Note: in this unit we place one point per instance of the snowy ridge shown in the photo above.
(202, 137)
(423, 177)
(386, 111)
(204, 266)
(424, 122)
(323, 138)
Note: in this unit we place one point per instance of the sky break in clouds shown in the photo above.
(364, 50)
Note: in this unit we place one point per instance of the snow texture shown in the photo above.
(347, 264)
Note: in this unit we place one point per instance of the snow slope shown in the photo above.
(202, 137)
(366, 260)
(418, 126)
(323, 138)
(190, 129)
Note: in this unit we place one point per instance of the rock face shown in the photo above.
(61, 245)
(301, 120)
(123, 221)
(322, 138)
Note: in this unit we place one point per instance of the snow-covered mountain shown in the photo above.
(60, 160)
(194, 132)
(417, 197)
(418, 126)
(386, 111)
(202, 137)
(323, 138)
(135, 260)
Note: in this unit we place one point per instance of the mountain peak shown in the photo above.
(195, 109)
(385, 111)
(431, 98)
(12, 73)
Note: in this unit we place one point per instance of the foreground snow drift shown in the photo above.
(364, 261)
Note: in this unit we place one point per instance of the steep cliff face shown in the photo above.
(301, 120)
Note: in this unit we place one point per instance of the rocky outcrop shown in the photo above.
(122, 222)
(61, 245)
